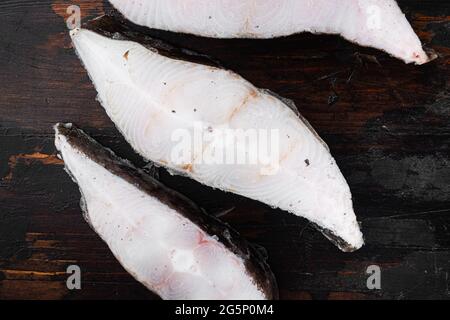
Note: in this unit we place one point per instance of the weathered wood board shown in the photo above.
(387, 125)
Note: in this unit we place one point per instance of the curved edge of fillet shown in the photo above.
(349, 238)
(254, 260)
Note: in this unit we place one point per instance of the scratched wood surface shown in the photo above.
(387, 124)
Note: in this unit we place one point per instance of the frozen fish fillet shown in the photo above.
(160, 237)
(373, 23)
(154, 96)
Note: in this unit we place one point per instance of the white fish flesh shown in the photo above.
(373, 23)
(150, 96)
(160, 237)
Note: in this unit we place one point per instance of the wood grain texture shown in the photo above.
(387, 124)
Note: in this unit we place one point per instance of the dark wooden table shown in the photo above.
(387, 124)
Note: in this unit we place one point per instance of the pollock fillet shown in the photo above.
(164, 240)
(373, 23)
(150, 95)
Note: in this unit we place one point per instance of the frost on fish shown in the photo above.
(160, 237)
(150, 95)
(373, 23)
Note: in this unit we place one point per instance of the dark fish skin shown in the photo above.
(254, 260)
